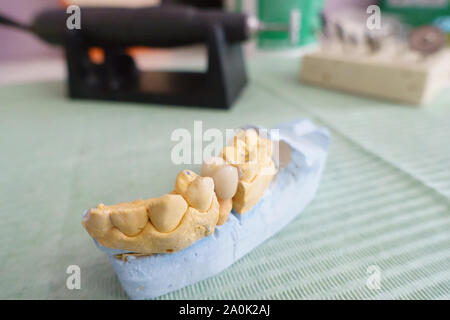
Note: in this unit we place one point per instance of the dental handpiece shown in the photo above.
(164, 26)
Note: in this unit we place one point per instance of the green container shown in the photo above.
(279, 12)
(307, 11)
(416, 12)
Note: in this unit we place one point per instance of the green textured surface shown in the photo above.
(384, 198)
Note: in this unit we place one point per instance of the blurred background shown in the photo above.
(17, 45)
(24, 57)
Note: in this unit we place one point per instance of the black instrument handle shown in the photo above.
(164, 26)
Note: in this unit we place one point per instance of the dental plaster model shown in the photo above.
(191, 211)
(247, 165)
(134, 235)
(252, 156)
(159, 225)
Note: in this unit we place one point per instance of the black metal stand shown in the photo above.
(119, 79)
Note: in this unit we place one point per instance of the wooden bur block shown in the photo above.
(401, 78)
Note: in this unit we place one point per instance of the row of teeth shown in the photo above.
(220, 176)
(241, 160)
(164, 213)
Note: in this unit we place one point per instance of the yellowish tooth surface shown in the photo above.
(233, 155)
(200, 193)
(166, 212)
(131, 220)
(251, 139)
(184, 179)
(249, 171)
(252, 156)
(240, 135)
(264, 151)
(225, 207)
(97, 222)
(171, 224)
(249, 193)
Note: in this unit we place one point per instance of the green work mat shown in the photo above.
(383, 201)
